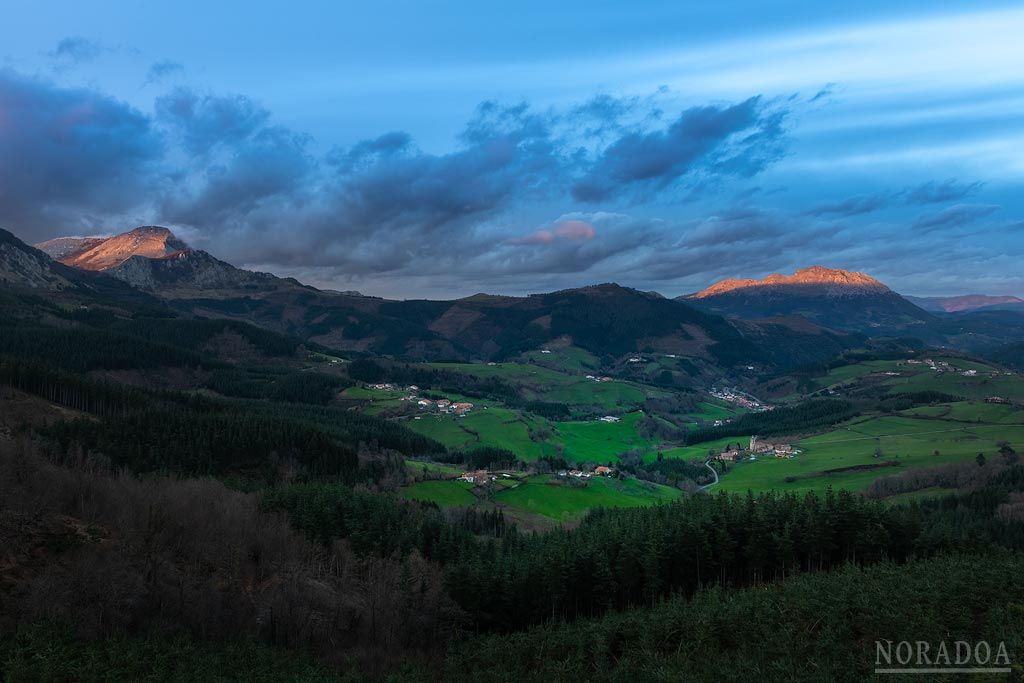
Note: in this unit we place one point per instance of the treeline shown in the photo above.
(810, 628)
(903, 401)
(277, 385)
(82, 349)
(175, 432)
(482, 457)
(113, 343)
(99, 554)
(383, 525)
(803, 417)
(953, 475)
(617, 559)
(100, 398)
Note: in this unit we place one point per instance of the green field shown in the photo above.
(912, 442)
(848, 373)
(417, 468)
(978, 387)
(444, 492)
(565, 503)
(566, 359)
(699, 451)
(545, 384)
(600, 442)
(490, 426)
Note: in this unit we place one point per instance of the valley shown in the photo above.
(460, 444)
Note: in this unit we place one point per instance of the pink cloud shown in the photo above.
(571, 230)
(575, 230)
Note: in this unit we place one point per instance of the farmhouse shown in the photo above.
(779, 450)
(443, 405)
(462, 408)
(478, 477)
(604, 471)
(424, 402)
(730, 456)
(610, 418)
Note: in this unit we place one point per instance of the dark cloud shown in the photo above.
(955, 216)
(76, 50)
(160, 71)
(204, 121)
(937, 193)
(270, 166)
(489, 210)
(737, 140)
(824, 93)
(69, 154)
(854, 206)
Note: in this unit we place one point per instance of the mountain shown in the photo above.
(94, 253)
(838, 299)
(153, 259)
(967, 302)
(27, 272)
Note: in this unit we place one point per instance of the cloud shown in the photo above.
(204, 121)
(69, 155)
(824, 93)
(854, 206)
(266, 169)
(160, 71)
(937, 193)
(738, 140)
(76, 50)
(571, 229)
(955, 216)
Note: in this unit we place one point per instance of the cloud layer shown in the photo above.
(638, 188)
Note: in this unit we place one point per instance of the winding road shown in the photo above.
(707, 463)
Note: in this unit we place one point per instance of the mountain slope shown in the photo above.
(834, 298)
(26, 273)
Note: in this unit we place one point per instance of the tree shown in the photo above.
(980, 460)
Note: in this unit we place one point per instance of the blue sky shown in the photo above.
(415, 151)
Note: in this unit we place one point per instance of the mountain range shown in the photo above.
(779, 321)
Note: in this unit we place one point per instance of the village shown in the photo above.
(483, 476)
(766, 447)
(945, 366)
(739, 398)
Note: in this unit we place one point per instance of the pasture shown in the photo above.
(444, 492)
(538, 495)
(904, 440)
(600, 442)
(487, 426)
(545, 384)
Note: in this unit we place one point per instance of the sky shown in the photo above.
(436, 150)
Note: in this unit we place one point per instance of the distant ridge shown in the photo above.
(967, 302)
(814, 275)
